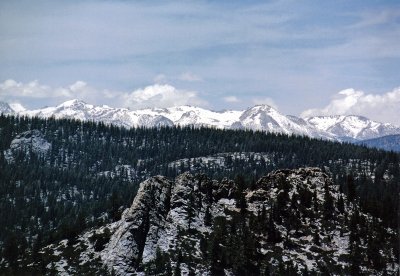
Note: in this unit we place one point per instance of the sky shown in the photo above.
(302, 57)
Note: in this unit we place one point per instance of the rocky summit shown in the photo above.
(288, 222)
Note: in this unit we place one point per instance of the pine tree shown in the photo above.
(316, 238)
(328, 203)
(159, 262)
(340, 204)
(240, 197)
(351, 189)
(207, 216)
(10, 251)
(273, 235)
(177, 271)
(190, 210)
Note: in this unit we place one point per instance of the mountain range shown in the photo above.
(350, 128)
(389, 143)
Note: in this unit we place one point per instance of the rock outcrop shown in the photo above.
(288, 222)
(31, 141)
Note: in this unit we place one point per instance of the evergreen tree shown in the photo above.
(351, 189)
(316, 238)
(10, 251)
(328, 203)
(240, 198)
(207, 217)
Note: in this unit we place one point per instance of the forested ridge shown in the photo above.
(91, 172)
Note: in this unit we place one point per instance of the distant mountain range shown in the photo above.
(390, 142)
(260, 117)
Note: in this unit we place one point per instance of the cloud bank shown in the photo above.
(381, 107)
(13, 91)
(157, 95)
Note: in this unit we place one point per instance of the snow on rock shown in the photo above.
(266, 118)
(28, 141)
(6, 109)
(285, 212)
(158, 215)
(76, 109)
(352, 127)
(260, 117)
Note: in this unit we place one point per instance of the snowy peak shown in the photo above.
(266, 118)
(5, 108)
(259, 117)
(190, 115)
(352, 126)
(72, 103)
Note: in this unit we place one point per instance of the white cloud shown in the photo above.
(13, 91)
(157, 95)
(231, 99)
(266, 100)
(11, 88)
(161, 96)
(190, 77)
(382, 107)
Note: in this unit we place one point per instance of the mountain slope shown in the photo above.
(76, 109)
(355, 127)
(261, 117)
(196, 116)
(289, 222)
(390, 142)
(5, 108)
(60, 178)
(266, 118)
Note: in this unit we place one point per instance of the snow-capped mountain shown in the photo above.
(5, 108)
(352, 126)
(196, 116)
(266, 118)
(260, 117)
(76, 109)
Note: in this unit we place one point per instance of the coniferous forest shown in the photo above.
(59, 178)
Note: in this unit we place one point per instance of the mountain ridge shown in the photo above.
(351, 128)
(389, 142)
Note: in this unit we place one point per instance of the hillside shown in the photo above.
(289, 222)
(390, 142)
(59, 178)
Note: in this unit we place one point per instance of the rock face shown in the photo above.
(26, 142)
(161, 210)
(140, 226)
(288, 222)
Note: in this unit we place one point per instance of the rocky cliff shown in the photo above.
(288, 222)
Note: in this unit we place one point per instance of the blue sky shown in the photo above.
(295, 55)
